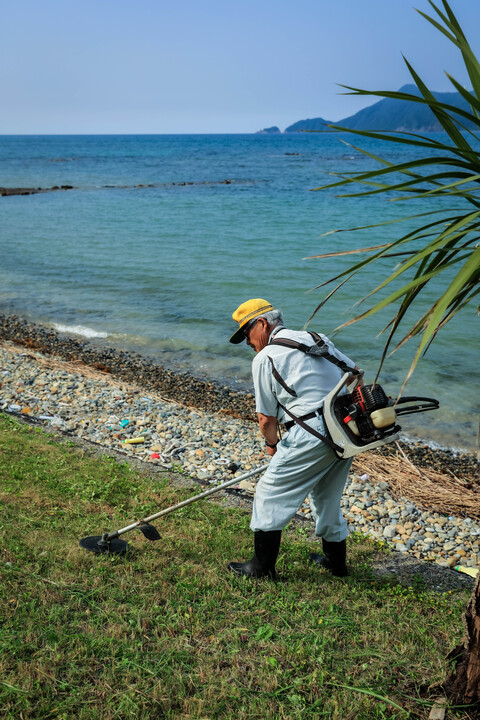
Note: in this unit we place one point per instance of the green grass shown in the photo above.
(166, 632)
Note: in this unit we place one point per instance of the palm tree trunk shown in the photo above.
(463, 682)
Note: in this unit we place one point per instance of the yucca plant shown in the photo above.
(444, 247)
(446, 242)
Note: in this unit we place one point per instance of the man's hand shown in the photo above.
(268, 428)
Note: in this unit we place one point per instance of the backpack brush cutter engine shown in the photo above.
(366, 417)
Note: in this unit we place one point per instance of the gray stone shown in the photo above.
(389, 531)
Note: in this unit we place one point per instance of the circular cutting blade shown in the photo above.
(96, 544)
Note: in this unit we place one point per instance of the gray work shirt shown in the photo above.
(312, 377)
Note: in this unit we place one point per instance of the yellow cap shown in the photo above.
(248, 311)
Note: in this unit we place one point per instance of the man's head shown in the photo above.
(256, 320)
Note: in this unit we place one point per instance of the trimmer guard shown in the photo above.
(339, 432)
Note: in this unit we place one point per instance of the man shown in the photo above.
(287, 380)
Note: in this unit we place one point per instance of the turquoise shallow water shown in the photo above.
(163, 236)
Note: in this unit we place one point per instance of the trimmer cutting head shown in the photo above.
(109, 542)
(101, 545)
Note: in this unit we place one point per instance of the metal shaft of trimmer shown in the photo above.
(184, 503)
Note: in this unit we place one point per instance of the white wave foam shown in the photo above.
(80, 330)
(434, 445)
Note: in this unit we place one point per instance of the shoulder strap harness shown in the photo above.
(318, 349)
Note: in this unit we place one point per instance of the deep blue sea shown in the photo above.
(163, 236)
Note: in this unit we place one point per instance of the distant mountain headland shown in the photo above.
(387, 114)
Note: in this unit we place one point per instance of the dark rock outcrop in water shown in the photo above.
(4, 192)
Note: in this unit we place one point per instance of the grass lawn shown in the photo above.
(167, 632)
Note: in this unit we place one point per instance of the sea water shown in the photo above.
(162, 237)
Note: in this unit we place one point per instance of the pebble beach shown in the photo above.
(208, 440)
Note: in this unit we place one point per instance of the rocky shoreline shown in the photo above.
(130, 367)
(190, 390)
(128, 406)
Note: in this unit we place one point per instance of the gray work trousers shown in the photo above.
(302, 466)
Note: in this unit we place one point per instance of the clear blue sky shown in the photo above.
(186, 66)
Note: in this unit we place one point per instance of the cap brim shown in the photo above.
(238, 336)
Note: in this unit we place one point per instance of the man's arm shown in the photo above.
(268, 428)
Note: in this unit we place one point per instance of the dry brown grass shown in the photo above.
(429, 489)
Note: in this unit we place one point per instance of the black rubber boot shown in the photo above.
(267, 545)
(333, 559)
